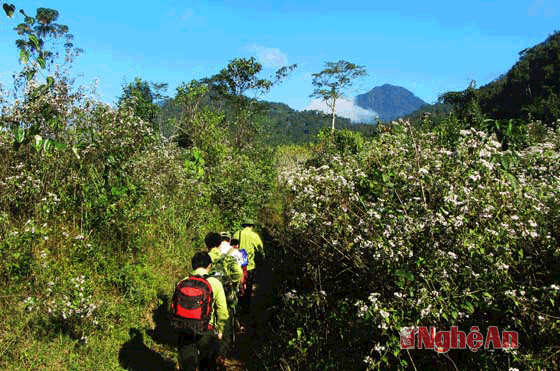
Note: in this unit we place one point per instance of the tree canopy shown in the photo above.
(332, 82)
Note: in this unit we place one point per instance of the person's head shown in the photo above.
(201, 260)
(225, 236)
(212, 240)
(248, 222)
(235, 243)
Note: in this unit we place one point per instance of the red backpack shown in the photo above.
(192, 304)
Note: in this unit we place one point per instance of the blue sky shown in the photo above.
(428, 47)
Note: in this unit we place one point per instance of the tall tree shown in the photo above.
(234, 82)
(465, 104)
(39, 42)
(332, 82)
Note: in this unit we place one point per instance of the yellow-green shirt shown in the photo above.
(252, 243)
(219, 314)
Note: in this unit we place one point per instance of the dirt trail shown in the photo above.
(245, 356)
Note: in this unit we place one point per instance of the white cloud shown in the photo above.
(188, 13)
(546, 8)
(186, 19)
(269, 57)
(345, 108)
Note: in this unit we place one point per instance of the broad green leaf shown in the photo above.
(9, 9)
(19, 135)
(23, 55)
(50, 81)
(29, 75)
(41, 62)
(409, 276)
(47, 145)
(37, 143)
(35, 41)
(469, 307)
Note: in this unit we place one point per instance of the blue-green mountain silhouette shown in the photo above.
(389, 101)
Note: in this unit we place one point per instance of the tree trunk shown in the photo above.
(333, 115)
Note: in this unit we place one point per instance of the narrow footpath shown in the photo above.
(245, 355)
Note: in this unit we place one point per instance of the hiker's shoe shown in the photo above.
(239, 327)
(221, 363)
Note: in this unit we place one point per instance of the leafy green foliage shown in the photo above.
(39, 41)
(142, 97)
(9, 9)
(232, 85)
(331, 83)
(415, 228)
(528, 91)
(446, 222)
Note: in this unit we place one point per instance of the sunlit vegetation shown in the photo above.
(447, 219)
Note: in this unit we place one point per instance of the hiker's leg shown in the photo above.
(188, 353)
(249, 289)
(227, 339)
(209, 348)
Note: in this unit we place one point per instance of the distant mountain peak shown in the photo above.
(389, 101)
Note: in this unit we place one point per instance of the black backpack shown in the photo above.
(192, 304)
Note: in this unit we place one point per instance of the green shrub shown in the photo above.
(410, 232)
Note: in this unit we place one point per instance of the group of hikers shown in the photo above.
(205, 303)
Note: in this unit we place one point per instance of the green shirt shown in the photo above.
(252, 243)
(219, 314)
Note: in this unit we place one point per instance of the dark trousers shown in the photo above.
(198, 351)
(246, 299)
(228, 334)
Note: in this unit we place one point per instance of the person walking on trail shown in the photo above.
(251, 242)
(243, 260)
(200, 349)
(225, 245)
(226, 269)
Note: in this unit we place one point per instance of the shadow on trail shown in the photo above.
(249, 349)
(163, 333)
(134, 355)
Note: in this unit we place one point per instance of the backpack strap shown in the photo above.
(241, 230)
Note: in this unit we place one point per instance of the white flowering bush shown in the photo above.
(100, 215)
(412, 231)
(65, 305)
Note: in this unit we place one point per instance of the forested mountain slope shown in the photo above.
(531, 88)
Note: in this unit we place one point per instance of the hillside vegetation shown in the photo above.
(435, 221)
(528, 91)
